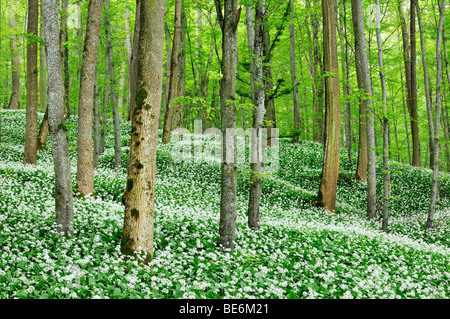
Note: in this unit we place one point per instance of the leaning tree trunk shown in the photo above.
(330, 168)
(139, 196)
(85, 156)
(173, 83)
(14, 101)
(386, 173)
(365, 85)
(256, 165)
(30, 153)
(435, 167)
(60, 145)
(228, 22)
(112, 81)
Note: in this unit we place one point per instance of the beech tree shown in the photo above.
(85, 156)
(139, 196)
(330, 168)
(60, 144)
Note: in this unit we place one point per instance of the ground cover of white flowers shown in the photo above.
(300, 251)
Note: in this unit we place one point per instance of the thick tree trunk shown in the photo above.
(134, 59)
(85, 156)
(256, 165)
(228, 21)
(112, 81)
(30, 153)
(173, 83)
(139, 195)
(365, 85)
(294, 76)
(330, 168)
(14, 101)
(60, 145)
(435, 166)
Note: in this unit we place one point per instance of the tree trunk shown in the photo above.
(228, 23)
(104, 119)
(96, 123)
(365, 86)
(112, 81)
(60, 145)
(406, 122)
(435, 166)
(330, 168)
(30, 153)
(256, 165)
(386, 169)
(139, 195)
(268, 85)
(178, 120)
(42, 66)
(65, 53)
(409, 56)
(173, 83)
(14, 101)
(43, 132)
(134, 59)
(294, 76)
(128, 45)
(85, 156)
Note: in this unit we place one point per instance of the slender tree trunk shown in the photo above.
(268, 85)
(65, 54)
(167, 66)
(60, 145)
(317, 104)
(30, 153)
(251, 45)
(104, 119)
(43, 132)
(112, 81)
(14, 101)
(128, 45)
(294, 76)
(42, 65)
(386, 169)
(228, 21)
(85, 156)
(365, 85)
(173, 84)
(345, 89)
(361, 165)
(139, 195)
(409, 57)
(406, 122)
(179, 108)
(96, 123)
(330, 168)
(435, 166)
(134, 59)
(256, 165)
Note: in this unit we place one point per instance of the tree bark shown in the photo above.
(14, 101)
(134, 59)
(294, 76)
(386, 169)
(104, 119)
(228, 22)
(330, 168)
(365, 86)
(43, 132)
(96, 123)
(42, 65)
(173, 84)
(435, 166)
(60, 145)
(30, 153)
(256, 165)
(178, 120)
(139, 195)
(112, 81)
(65, 54)
(85, 156)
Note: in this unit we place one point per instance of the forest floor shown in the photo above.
(299, 252)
